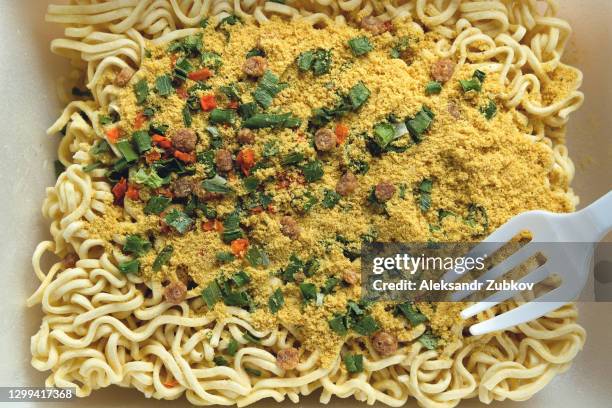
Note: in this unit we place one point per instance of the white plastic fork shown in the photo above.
(583, 229)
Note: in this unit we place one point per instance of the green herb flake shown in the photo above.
(156, 205)
(358, 95)
(330, 198)
(338, 325)
(313, 171)
(360, 46)
(329, 285)
(163, 85)
(365, 326)
(256, 257)
(136, 245)
(411, 313)
(429, 340)
(220, 361)
(309, 291)
(178, 220)
(231, 228)
(211, 294)
(424, 194)
(353, 363)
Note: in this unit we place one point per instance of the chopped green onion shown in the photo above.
(225, 257)
(163, 84)
(186, 116)
(433, 88)
(489, 111)
(384, 133)
(257, 257)
(276, 301)
(217, 184)
(358, 95)
(132, 266)
(142, 140)
(141, 90)
(266, 120)
(128, 153)
(329, 285)
(225, 116)
(420, 123)
(91, 167)
(292, 158)
(162, 258)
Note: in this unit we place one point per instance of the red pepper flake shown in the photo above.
(200, 75)
(113, 134)
(119, 190)
(139, 120)
(256, 210)
(342, 132)
(185, 157)
(208, 102)
(132, 193)
(173, 59)
(162, 141)
(246, 160)
(152, 156)
(239, 247)
(233, 105)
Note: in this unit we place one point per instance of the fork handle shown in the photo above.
(598, 216)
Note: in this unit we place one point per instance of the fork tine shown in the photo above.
(498, 270)
(492, 243)
(535, 276)
(524, 313)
